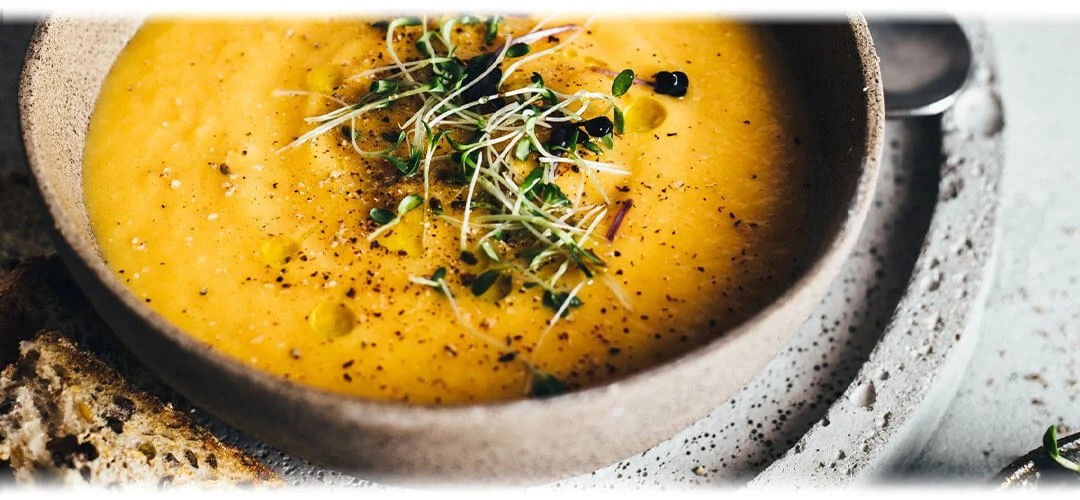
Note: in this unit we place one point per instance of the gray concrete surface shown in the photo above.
(1025, 372)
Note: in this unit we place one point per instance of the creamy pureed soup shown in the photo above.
(449, 210)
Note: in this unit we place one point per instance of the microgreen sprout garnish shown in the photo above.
(492, 28)
(1050, 443)
(382, 216)
(517, 50)
(672, 83)
(388, 219)
(622, 82)
(542, 384)
(510, 146)
(561, 302)
(483, 282)
(435, 281)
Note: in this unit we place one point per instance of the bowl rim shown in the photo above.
(824, 267)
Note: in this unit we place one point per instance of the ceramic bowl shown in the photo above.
(520, 441)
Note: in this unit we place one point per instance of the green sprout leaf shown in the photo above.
(409, 203)
(439, 274)
(550, 195)
(608, 140)
(622, 82)
(555, 301)
(485, 247)
(618, 122)
(522, 150)
(545, 385)
(483, 282)
(407, 21)
(406, 166)
(381, 215)
(492, 28)
(1051, 445)
(423, 44)
(517, 50)
(531, 180)
(435, 205)
(384, 87)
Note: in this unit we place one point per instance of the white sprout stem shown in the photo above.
(600, 212)
(599, 187)
(484, 100)
(383, 228)
(557, 275)
(393, 54)
(423, 281)
(610, 168)
(543, 22)
(414, 65)
(461, 318)
(468, 204)
(533, 276)
(558, 314)
(617, 291)
(355, 113)
(532, 37)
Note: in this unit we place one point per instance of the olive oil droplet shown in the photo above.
(332, 319)
(644, 115)
(277, 250)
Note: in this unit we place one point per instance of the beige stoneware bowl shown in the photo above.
(520, 441)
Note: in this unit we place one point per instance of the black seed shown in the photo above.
(115, 424)
(508, 357)
(559, 138)
(191, 458)
(127, 406)
(468, 258)
(671, 83)
(599, 126)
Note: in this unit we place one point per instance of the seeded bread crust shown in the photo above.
(67, 417)
(39, 294)
(78, 367)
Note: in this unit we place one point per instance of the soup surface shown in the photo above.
(340, 265)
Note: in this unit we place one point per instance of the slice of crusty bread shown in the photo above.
(65, 416)
(39, 294)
